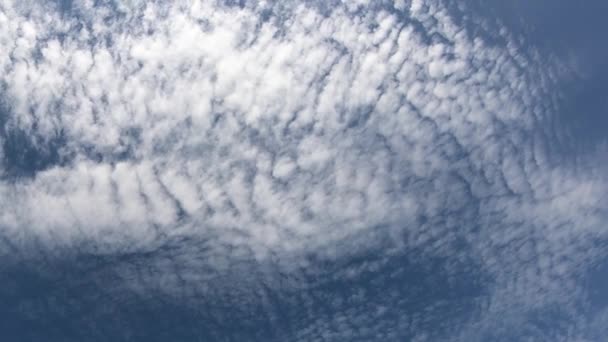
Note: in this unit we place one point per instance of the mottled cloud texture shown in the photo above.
(237, 160)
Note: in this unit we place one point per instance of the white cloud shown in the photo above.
(294, 134)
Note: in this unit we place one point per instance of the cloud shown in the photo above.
(279, 131)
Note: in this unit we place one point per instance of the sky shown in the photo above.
(223, 170)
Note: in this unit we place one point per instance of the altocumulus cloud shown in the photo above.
(291, 171)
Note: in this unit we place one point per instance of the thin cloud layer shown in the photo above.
(208, 140)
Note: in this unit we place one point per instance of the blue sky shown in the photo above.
(303, 171)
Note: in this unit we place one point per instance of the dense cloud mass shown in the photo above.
(290, 171)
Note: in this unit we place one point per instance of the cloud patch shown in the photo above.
(270, 134)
